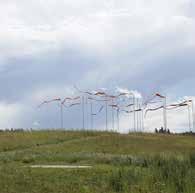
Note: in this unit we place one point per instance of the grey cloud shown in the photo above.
(147, 48)
(23, 75)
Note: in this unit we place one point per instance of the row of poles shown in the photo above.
(121, 103)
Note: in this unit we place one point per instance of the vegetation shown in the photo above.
(162, 130)
(137, 163)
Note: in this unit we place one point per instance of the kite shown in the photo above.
(46, 102)
(70, 99)
(91, 98)
(74, 104)
(129, 105)
(159, 95)
(137, 110)
(149, 101)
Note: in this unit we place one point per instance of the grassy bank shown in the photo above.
(134, 163)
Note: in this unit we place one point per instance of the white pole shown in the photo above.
(189, 118)
(61, 115)
(118, 121)
(193, 121)
(106, 114)
(142, 117)
(112, 116)
(83, 111)
(138, 116)
(165, 113)
(134, 114)
(130, 119)
(91, 115)
(87, 115)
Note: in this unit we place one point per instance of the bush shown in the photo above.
(27, 160)
(192, 159)
(117, 180)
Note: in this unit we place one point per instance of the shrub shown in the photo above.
(117, 180)
(192, 159)
(28, 160)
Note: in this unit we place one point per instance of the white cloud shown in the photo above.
(36, 26)
(126, 38)
(10, 115)
(130, 93)
(48, 93)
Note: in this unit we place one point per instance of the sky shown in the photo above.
(49, 46)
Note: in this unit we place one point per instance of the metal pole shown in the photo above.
(87, 122)
(165, 113)
(131, 118)
(138, 121)
(189, 118)
(61, 115)
(112, 116)
(137, 116)
(193, 121)
(142, 117)
(106, 115)
(83, 111)
(118, 122)
(136, 125)
(91, 115)
(134, 114)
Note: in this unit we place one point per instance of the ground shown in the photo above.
(144, 163)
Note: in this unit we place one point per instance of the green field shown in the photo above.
(137, 163)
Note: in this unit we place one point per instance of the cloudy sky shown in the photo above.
(47, 47)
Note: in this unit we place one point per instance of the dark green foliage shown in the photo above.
(28, 159)
(192, 159)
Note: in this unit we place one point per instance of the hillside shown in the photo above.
(120, 163)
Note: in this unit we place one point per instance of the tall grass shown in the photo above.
(158, 175)
(141, 163)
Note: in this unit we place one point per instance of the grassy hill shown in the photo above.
(135, 163)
